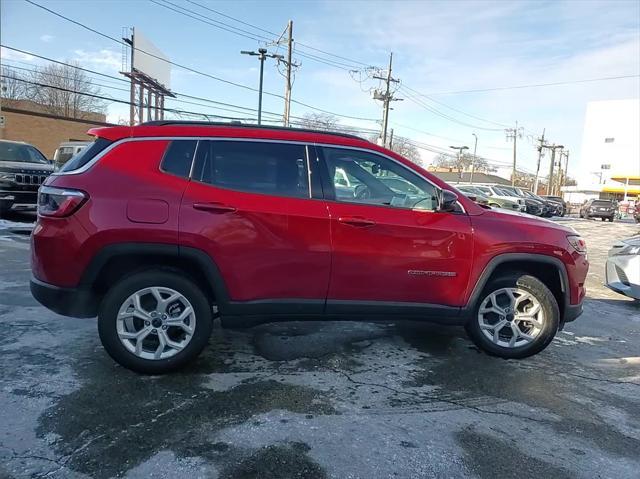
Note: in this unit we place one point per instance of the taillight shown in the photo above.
(59, 202)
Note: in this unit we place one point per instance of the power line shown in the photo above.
(209, 21)
(198, 72)
(234, 108)
(276, 34)
(244, 33)
(412, 97)
(455, 109)
(115, 100)
(536, 85)
(193, 97)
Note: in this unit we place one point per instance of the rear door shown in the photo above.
(392, 250)
(250, 207)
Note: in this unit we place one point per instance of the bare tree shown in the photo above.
(68, 91)
(13, 86)
(320, 121)
(463, 163)
(406, 149)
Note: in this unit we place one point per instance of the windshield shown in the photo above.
(20, 153)
(484, 190)
(503, 192)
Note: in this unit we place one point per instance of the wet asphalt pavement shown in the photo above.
(323, 399)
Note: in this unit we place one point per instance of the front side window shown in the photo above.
(377, 180)
(178, 157)
(278, 169)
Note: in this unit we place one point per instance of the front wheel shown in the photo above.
(516, 316)
(155, 321)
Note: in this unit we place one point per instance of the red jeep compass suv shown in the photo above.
(159, 228)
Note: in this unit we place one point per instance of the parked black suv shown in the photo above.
(603, 209)
(563, 207)
(22, 170)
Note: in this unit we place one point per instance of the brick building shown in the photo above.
(30, 122)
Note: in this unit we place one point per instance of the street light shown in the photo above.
(473, 160)
(459, 148)
(261, 54)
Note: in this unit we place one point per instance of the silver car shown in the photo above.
(623, 267)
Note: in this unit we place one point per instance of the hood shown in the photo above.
(23, 167)
(632, 241)
(524, 218)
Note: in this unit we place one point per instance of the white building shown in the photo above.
(610, 155)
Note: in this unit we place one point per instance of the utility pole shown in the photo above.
(287, 91)
(562, 180)
(553, 149)
(262, 55)
(473, 160)
(514, 133)
(540, 154)
(387, 98)
(391, 139)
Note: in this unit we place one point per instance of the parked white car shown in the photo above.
(623, 267)
(494, 191)
(67, 150)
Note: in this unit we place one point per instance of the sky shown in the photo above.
(441, 49)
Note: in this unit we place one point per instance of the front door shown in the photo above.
(391, 247)
(249, 206)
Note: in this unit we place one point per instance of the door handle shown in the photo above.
(214, 207)
(356, 221)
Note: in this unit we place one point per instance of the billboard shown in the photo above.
(148, 59)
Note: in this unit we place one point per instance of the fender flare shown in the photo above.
(204, 261)
(512, 257)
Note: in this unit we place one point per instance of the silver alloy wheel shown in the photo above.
(511, 317)
(155, 323)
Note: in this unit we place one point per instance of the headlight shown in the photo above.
(8, 176)
(628, 250)
(578, 243)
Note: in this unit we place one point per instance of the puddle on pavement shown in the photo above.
(276, 462)
(119, 419)
(463, 374)
(505, 460)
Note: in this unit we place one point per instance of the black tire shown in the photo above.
(611, 219)
(4, 209)
(603, 219)
(548, 304)
(116, 296)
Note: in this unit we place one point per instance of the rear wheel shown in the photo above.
(5, 207)
(155, 321)
(516, 316)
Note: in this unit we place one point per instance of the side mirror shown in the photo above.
(472, 197)
(448, 200)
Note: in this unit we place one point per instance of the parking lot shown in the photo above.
(321, 399)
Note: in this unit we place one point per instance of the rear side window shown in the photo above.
(85, 155)
(278, 169)
(178, 157)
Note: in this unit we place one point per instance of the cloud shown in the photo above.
(47, 38)
(7, 54)
(105, 60)
(447, 46)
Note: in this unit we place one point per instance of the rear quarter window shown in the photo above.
(178, 157)
(85, 155)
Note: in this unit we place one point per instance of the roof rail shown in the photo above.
(237, 124)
